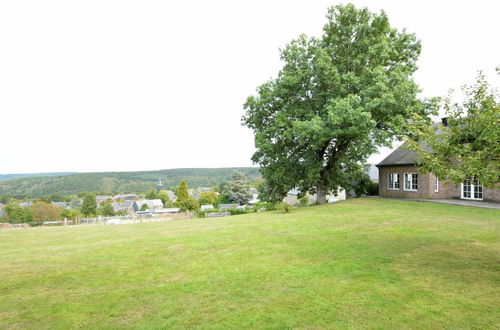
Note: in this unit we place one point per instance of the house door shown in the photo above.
(472, 190)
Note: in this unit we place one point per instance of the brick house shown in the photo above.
(399, 177)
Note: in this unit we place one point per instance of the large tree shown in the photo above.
(335, 101)
(468, 147)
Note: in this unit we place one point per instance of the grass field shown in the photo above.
(365, 263)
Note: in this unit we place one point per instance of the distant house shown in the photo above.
(126, 206)
(152, 204)
(171, 195)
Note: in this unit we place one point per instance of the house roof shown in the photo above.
(403, 156)
(64, 205)
(126, 196)
(151, 203)
(400, 156)
(102, 198)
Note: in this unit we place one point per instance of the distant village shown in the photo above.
(234, 197)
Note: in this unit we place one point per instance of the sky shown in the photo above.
(122, 85)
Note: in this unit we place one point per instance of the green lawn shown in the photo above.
(365, 263)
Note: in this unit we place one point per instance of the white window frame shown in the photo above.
(436, 184)
(411, 182)
(393, 181)
(473, 185)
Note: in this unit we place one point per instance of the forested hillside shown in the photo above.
(24, 175)
(118, 182)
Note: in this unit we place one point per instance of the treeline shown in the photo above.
(117, 182)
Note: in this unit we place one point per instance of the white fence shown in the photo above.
(104, 220)
(133, 219)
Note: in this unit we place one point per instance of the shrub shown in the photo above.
(304, 201)
(372, 189)
(285, 207)
(237, 211)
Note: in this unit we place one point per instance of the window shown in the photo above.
(472, 190)
(393, 181)
(411, 181)
(436, 184)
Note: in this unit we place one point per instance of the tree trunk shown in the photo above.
(321, 193)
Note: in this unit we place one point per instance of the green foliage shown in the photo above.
(89, 207)
(144, 207)
(363, 185)
(335, 101)
(106, 210)
(239, 189)
(4, 199)
(17, 214)
(43, 211)
(70, 214)
(284, 207)
(184, 202)
(468, 148)
(151, 194)
(182, 193)
(236, 211)
(189, 204)
(163, 196)
(57, 198)
(304, 201)
(208, 198)
(372, 189)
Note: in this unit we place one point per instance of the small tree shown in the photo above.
(45, 211)
(208, 198)
(89, 207)
(144, 207)
(165, 199)
(239, 189)
(184, 202)
(69, 214)
(182, 192)
(107, 210)
(151, 194)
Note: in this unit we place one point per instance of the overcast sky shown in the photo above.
(143, 85)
